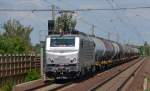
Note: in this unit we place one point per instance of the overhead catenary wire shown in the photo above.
(129, 22)
(84, 20)
(112, 9)
(97, 28)
(96, 9)
(87, 9)
(117, 16)
(77, 10)
(110, 2)
(89, 23)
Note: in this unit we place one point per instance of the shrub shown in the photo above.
(147, 90)
(32, 75)
(7, 86)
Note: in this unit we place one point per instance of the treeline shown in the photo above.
(15, 38)
(145, 49)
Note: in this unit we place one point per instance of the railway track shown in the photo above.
(119, 81)
(66, 86)
(100, 80)
(53, 87)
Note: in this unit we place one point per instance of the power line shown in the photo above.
(87, 22)
(121, 20)
(91, 24)
(129, 22)
(81, 10)
(94, 27)
(117, 16)
(98, 9)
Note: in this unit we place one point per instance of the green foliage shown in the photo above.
(13, 45)
(7, 86)
(65, 22)
(13, 28)
(148, 79)
(37, 48)
(147, 90)
(145, 49)
(32, 75)
(15, 39)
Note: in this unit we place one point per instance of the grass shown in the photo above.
(148, 80)
(7, 86)
(32, 75)
(147, 90)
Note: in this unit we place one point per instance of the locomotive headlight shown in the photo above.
(73, 60)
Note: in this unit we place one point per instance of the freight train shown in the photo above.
(75, 54)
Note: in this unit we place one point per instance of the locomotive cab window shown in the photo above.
(65, 41)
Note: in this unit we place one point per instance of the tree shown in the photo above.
(65, 22)
(145, 49)
(13, 28)
(16, 38)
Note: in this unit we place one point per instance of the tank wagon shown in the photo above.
(75, 54)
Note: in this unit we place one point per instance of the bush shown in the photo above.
(147, 90)
(32, 75)
(7, 86)
(13, 45)
(16, 38)
(148, 79)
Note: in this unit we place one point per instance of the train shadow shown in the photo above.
(62, 81)
(81, 78)
(89, 76)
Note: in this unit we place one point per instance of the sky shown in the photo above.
(125, 26)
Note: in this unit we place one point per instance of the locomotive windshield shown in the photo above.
(65, 41)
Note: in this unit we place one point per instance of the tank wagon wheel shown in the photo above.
(93, 69)
(80, 74)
